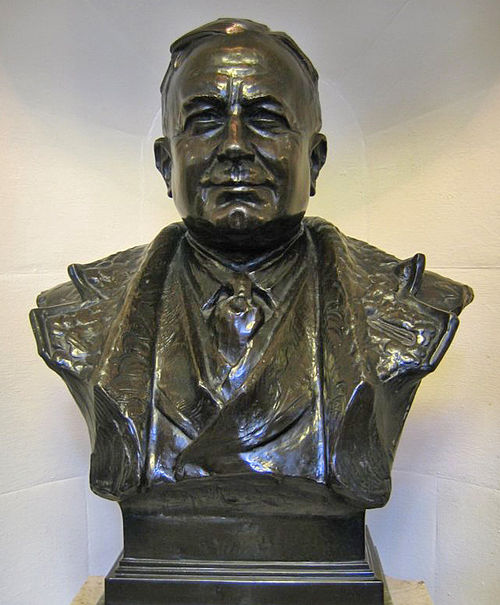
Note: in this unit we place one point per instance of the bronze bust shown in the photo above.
(249, 364)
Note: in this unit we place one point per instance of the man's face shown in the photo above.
(239, 138)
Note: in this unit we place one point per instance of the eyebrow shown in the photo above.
(264, 100)
(220, 102)
(203, 100)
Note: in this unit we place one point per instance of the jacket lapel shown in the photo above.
(182, 389)
(124, 379)
(379, 339)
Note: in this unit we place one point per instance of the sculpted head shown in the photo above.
(241, 149)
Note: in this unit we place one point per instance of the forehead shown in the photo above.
(258, 65)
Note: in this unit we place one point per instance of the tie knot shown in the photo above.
(241, 286)
(236, 318)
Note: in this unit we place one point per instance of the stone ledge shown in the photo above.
(403, 592)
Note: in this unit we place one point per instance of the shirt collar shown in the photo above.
(272, 275)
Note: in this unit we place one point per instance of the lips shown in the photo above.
(226, 187)
(238, 174)
(239, 185)
(230, 193)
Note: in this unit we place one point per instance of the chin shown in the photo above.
(239, 220)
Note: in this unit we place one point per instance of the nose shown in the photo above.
(235, 146)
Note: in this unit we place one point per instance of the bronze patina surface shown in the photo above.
(245, 377)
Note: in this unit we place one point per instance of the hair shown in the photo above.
(183, 46)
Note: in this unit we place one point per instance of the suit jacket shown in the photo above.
(380, 324)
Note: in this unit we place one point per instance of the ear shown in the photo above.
(164, 161)
(317, 158)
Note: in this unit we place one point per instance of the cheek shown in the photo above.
(286, 157)
(190, 158)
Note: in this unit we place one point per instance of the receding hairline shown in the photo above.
(233, 51)
(182, 48)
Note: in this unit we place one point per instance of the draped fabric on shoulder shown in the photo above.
(97, 332)
(382, 332)
(361, 331)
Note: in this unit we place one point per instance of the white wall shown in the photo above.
(411, 101)
(435, 180)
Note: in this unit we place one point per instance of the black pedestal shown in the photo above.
(230, 543)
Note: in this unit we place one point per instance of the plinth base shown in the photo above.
(134, 582)
(244, 542)
(400, 592)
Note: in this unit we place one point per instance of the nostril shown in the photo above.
(235, 152)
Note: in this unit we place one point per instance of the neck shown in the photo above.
(245, 250)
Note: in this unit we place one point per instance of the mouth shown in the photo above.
(237, 185)
(245, 193)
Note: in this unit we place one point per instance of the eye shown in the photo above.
(267, 120)
(203, 121)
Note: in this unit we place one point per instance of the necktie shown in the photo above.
(236, 318)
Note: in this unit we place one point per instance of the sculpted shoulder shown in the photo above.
(380, 268)
(98, 279)
(72, 320)
(402, 316)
